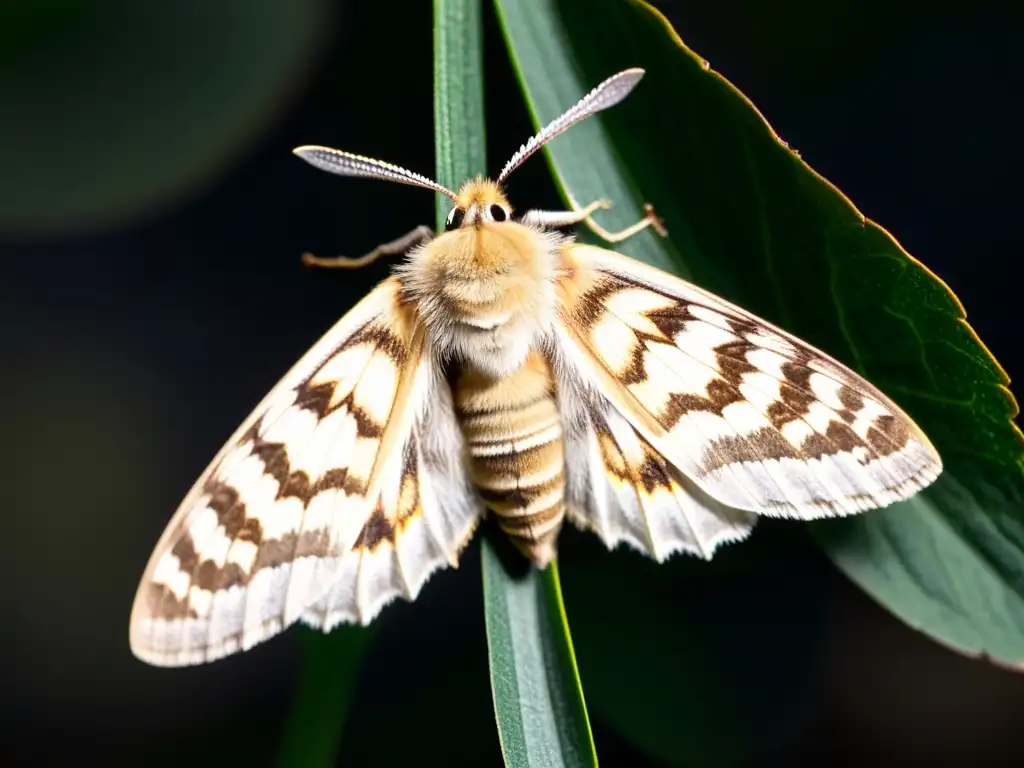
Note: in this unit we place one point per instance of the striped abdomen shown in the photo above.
(514, 436)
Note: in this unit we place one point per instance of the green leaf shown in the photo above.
(538, 700)
(459, 129)
(118, 108)
(316, 722)
(748, 219)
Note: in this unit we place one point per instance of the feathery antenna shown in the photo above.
(347, 164)
(607, 94)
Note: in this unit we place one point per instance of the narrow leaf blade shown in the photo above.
(459, 128)
(538, 699)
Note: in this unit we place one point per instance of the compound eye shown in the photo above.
(454, 221)
(498, 212)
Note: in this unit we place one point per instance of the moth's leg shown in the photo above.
(421, 234)
(555, 219)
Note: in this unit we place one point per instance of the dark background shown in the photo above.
(134, 341)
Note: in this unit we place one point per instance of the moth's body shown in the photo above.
(516, 455)
(485, 295)
(506, 370)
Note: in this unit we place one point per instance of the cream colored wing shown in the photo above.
(425, 514)
(263, 533)
(758, 419)
(624, 490)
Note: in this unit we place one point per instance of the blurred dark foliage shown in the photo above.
(134, 344)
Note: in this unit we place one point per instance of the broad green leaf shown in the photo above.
(113, 109)
(749, 219)
(538, 700)
(316, 722)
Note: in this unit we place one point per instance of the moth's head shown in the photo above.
(480, 241)
(480, 201)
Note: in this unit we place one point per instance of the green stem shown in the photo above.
(538, 700)
(459, 130)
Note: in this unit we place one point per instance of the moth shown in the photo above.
(506, 370)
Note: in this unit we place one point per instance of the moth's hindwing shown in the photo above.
(758, 419)
(623, 489)
(328, 472)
